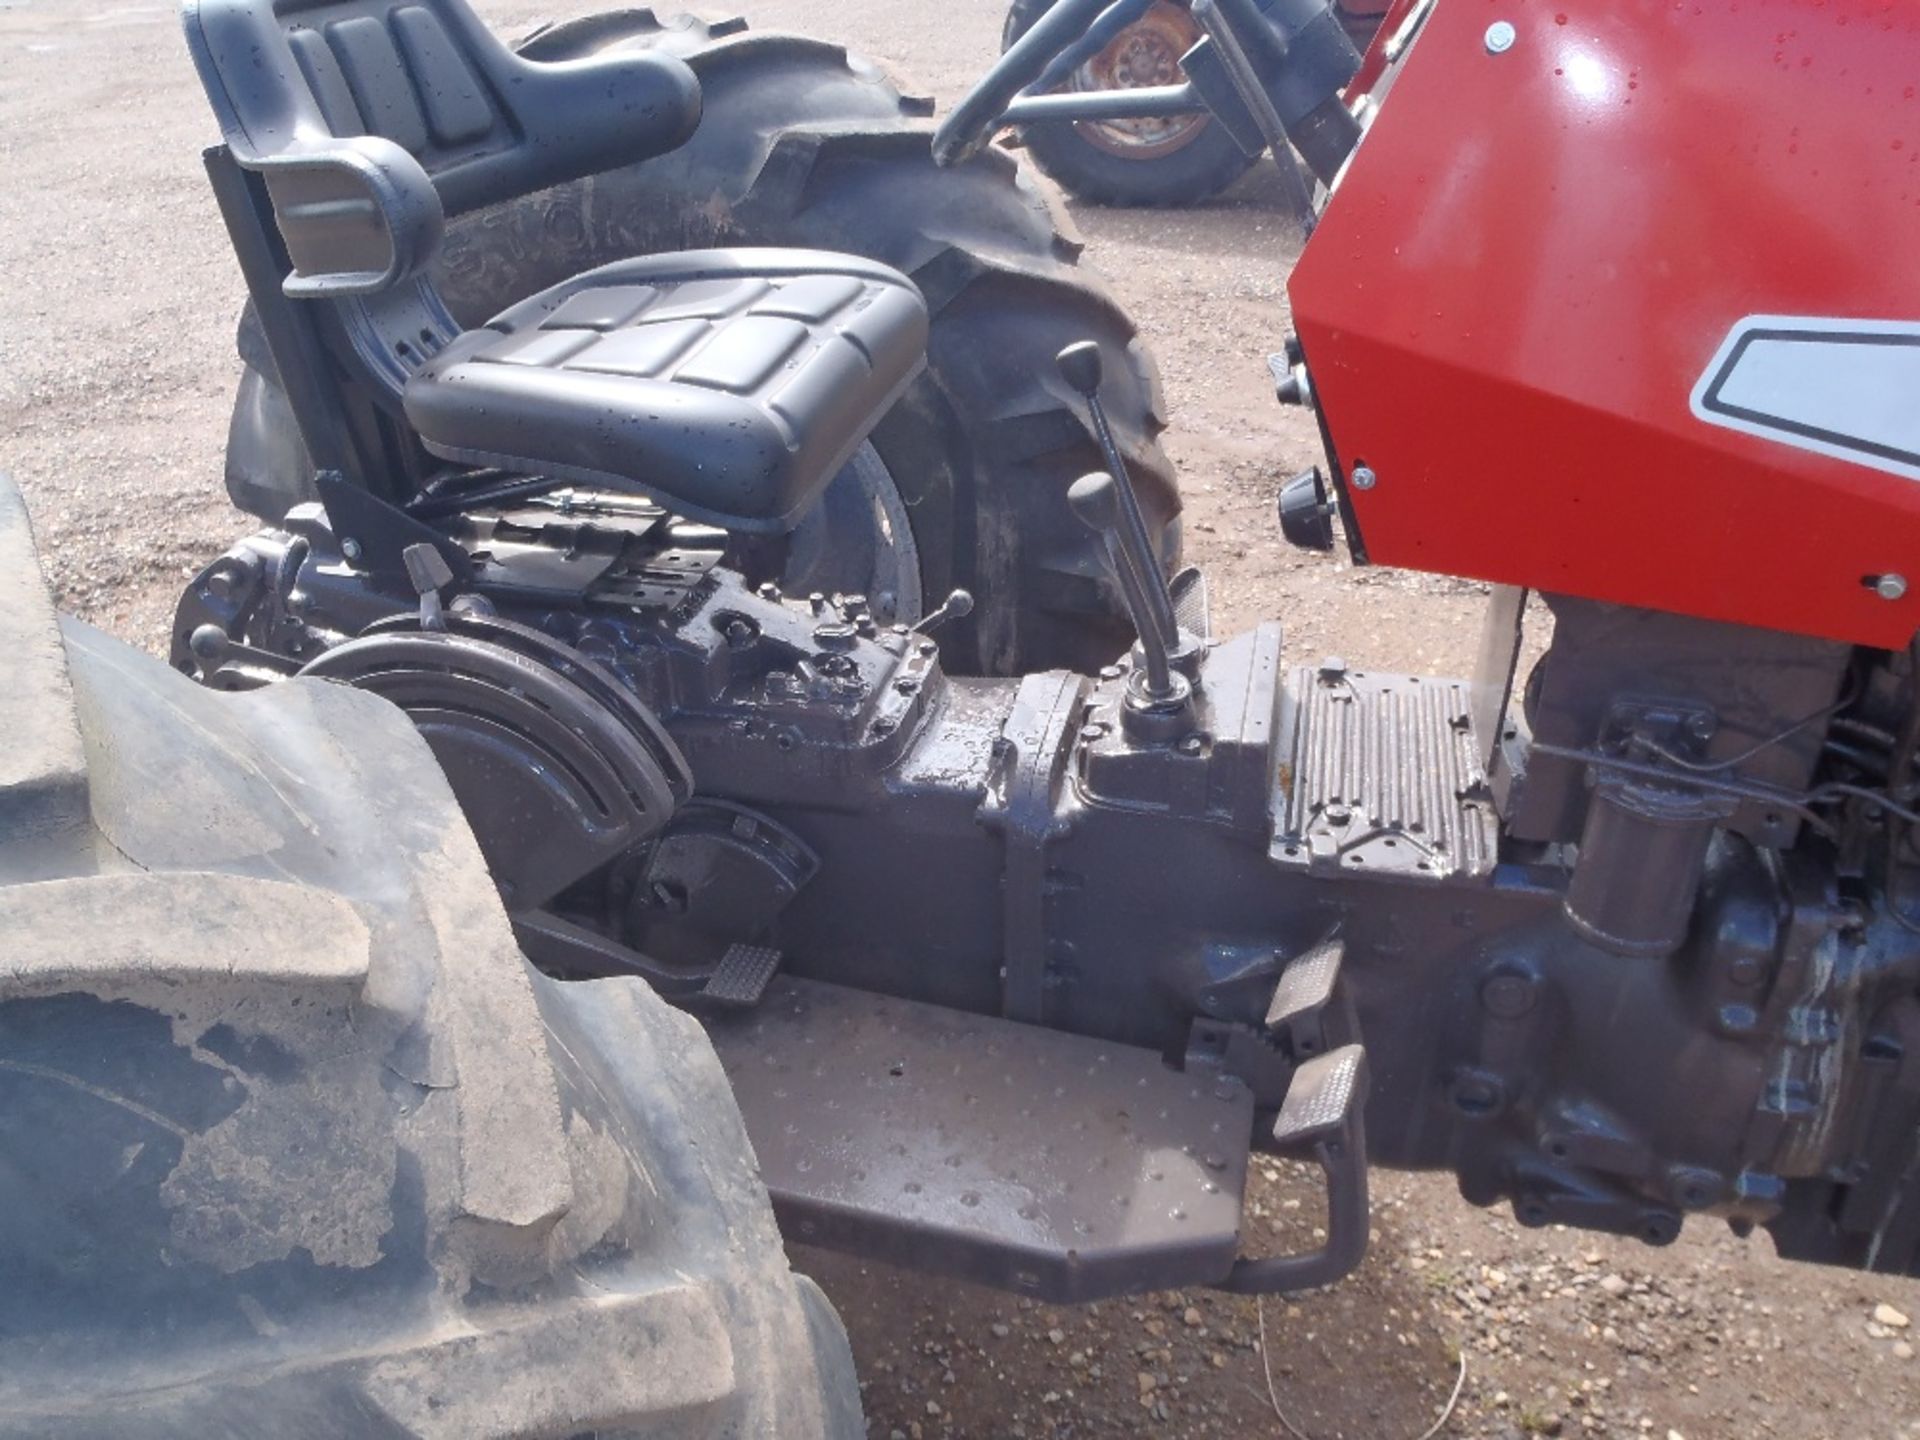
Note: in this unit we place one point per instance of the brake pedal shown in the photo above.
(1324, 1101)
(1298, 1014)
(1324, 1116)
(741, 978)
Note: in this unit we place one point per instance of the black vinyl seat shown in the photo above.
(735, 383)
(731, 385)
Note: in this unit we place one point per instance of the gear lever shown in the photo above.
(956, 605)
(1159, 699)
(1152, 608)
(427, 568)
(1097, 500)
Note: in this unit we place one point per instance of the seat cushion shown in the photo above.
(730, 385)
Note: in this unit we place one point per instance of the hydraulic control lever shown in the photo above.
(956, 606)
(1159, 696)
(430, 576)
(1096, 499)
(1153, 609)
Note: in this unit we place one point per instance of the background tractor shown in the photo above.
(1183, 138)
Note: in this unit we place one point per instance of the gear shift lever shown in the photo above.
(1152, 609)
(1159, 698)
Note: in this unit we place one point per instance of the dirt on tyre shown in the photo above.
(1164, 161)
(293, 1142)
(803, 144)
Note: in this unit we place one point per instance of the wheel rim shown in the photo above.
(859, 541)
(1146, 53)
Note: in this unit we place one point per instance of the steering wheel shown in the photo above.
(981, 111)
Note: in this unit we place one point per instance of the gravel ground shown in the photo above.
(116, 366)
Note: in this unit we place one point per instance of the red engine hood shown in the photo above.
(1630, 309)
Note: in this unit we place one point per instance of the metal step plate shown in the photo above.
(1381, 775)
(1050, 1164)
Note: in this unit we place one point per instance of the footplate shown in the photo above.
(1382, 775)
(1051, 1164)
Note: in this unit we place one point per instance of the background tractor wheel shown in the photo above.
(803, 144)
(293, 1142)
(1175, 160)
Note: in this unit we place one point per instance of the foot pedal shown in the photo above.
(1323, 1115)
(1058, 1166)
(1325, 1099)
(1298, 1015)
(741, 977)
(736, 982)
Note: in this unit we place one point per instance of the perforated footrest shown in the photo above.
(1055, 1165)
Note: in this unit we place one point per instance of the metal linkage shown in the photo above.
(1246, 84)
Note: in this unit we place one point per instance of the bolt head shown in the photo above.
(1477, 1093)
(1745, 970)
(350, 548)
(1500, 37)
(1890, 586)
(1363, 477)
(1508, 996)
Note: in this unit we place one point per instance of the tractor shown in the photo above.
(1003, 967)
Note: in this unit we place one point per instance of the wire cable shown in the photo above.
(1273, 1395)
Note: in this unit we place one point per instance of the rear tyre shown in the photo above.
(292, 1140)
(803, 144)
(1179, 160)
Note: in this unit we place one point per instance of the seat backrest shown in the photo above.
(367, 122)
(429, 76)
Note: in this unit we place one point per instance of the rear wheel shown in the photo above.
(294, 1142)
(803, 144)
(1170, 160)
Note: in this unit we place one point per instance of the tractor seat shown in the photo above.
(731, 385)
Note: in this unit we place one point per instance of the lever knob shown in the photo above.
(1095, 499)
(427, 568)
(1080, 366)
(955, 606)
